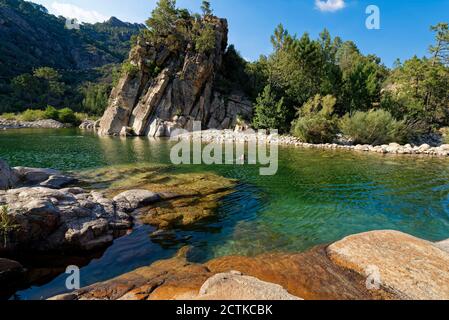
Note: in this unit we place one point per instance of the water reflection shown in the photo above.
(316, 197)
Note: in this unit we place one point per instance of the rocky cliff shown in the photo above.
(164, 89)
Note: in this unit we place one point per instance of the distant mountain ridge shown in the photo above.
(31, 38)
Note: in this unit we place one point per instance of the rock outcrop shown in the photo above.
(8, 177)
(236, 286)
(166, 90)
(407, 267)
(46, 220)
(89, 125)
(39, 124)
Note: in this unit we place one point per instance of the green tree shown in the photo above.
(440, 51)
(163, 18)
(316, 122)
(51, 113)
(206, 8)
(270, 111)
(205, 42)
(26, 88)
(96, 98)
(67, 115)
(419, 88)
(53, 87)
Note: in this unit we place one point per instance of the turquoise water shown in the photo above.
(316, 197)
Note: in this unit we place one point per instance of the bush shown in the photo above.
(316, 123)
(445, 134)
(67, 115)
(51, 113)
(374, 127)
(80, 116)
(314, 129)
(7, 224)
(32, 115)
(130, 69)
(205, 42)
(9, 116)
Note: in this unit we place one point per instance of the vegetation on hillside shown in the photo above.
(65, 115)
(43, 62)
(313, 88)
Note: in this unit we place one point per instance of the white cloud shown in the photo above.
(330, 5)
(71, 11)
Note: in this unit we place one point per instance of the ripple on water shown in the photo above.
(316, 197)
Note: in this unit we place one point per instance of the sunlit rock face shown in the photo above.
(149, 103)
(407, 267)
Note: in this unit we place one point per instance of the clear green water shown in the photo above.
(316, 197)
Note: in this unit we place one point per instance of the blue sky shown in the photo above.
(404, 23)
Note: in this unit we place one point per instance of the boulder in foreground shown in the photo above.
(407, 267)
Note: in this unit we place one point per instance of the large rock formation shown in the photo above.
(165, 89)
(45, 220)
(370, 266)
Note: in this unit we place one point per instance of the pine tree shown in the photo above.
(206, 8)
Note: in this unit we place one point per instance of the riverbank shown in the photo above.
(222, 136)
(378, 265)
(39, 124)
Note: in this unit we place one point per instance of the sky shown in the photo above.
(404, 24)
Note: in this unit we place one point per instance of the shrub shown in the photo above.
(205, 42)
(314, 129)
(130, 69)
(9, 116)
(445, 134)
(7, 225)
(32, 115)
(316, 123)
(51, 113)
(374, 127)
(67, 115)
(80, 116)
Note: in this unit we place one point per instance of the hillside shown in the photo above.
(33, 38)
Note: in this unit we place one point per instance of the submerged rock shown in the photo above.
(134, 199)
(174, 200)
